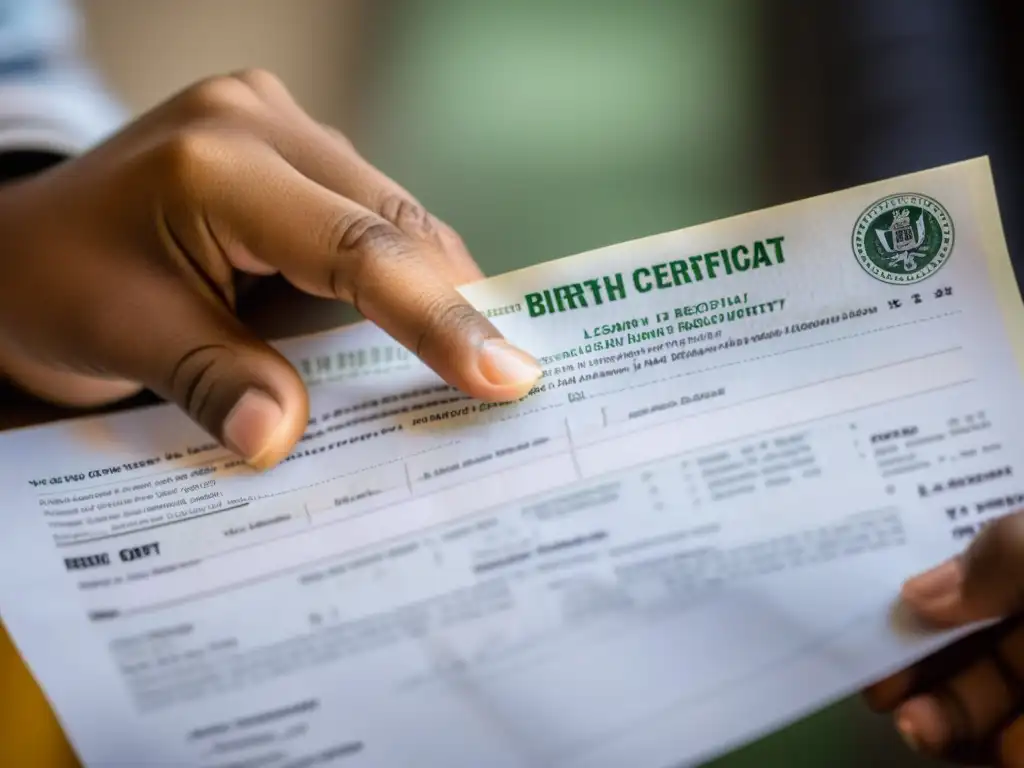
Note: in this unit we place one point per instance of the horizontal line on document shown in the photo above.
(686, 417)
(119, 534)
(781, 352)
(356, 515)
(204, 462)
(222, 457)
(197, 596)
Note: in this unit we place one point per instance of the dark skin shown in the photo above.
(229, 177)
(121, 271)
(965, 705)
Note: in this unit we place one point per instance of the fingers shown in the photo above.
(347, 172)
(60, 385)
(326, 156)
(196, 353)
(957, 719)
(937, 595)
(994, 568)
(330, 246)
(889, 693)
(986, 582)
(953, 704)
(960, 717)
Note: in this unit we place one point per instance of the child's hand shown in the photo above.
(117, 267)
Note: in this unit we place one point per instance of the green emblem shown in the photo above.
(903, 238)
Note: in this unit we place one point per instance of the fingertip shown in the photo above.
(936, 583)
(282, 441)
(936, 595)
(266, 422)
(505, 371)
(940, 613)
(905, 728)
(924, 725)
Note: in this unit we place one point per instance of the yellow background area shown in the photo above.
(29, 733)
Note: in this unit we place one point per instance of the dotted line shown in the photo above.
(777, 354)
(357, 471)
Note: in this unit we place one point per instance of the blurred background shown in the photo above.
(540, 129)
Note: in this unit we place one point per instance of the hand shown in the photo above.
(966, 703)
(117, 268)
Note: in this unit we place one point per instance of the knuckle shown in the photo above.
(450, 239)
(194, 376)
(445, 318)
(409, 216)
(344, 141)
(187, 156)
(261, 81)
(367, 234)
(219, 97)
(358, 242)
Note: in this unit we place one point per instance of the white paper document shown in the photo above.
(691, 532)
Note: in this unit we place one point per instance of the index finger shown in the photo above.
(331, 246)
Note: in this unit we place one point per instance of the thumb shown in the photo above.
(985, 582)
(196, 353)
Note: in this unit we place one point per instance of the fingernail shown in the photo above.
(909, 735)
(251, 424)
(505, 365)
(938, 583)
